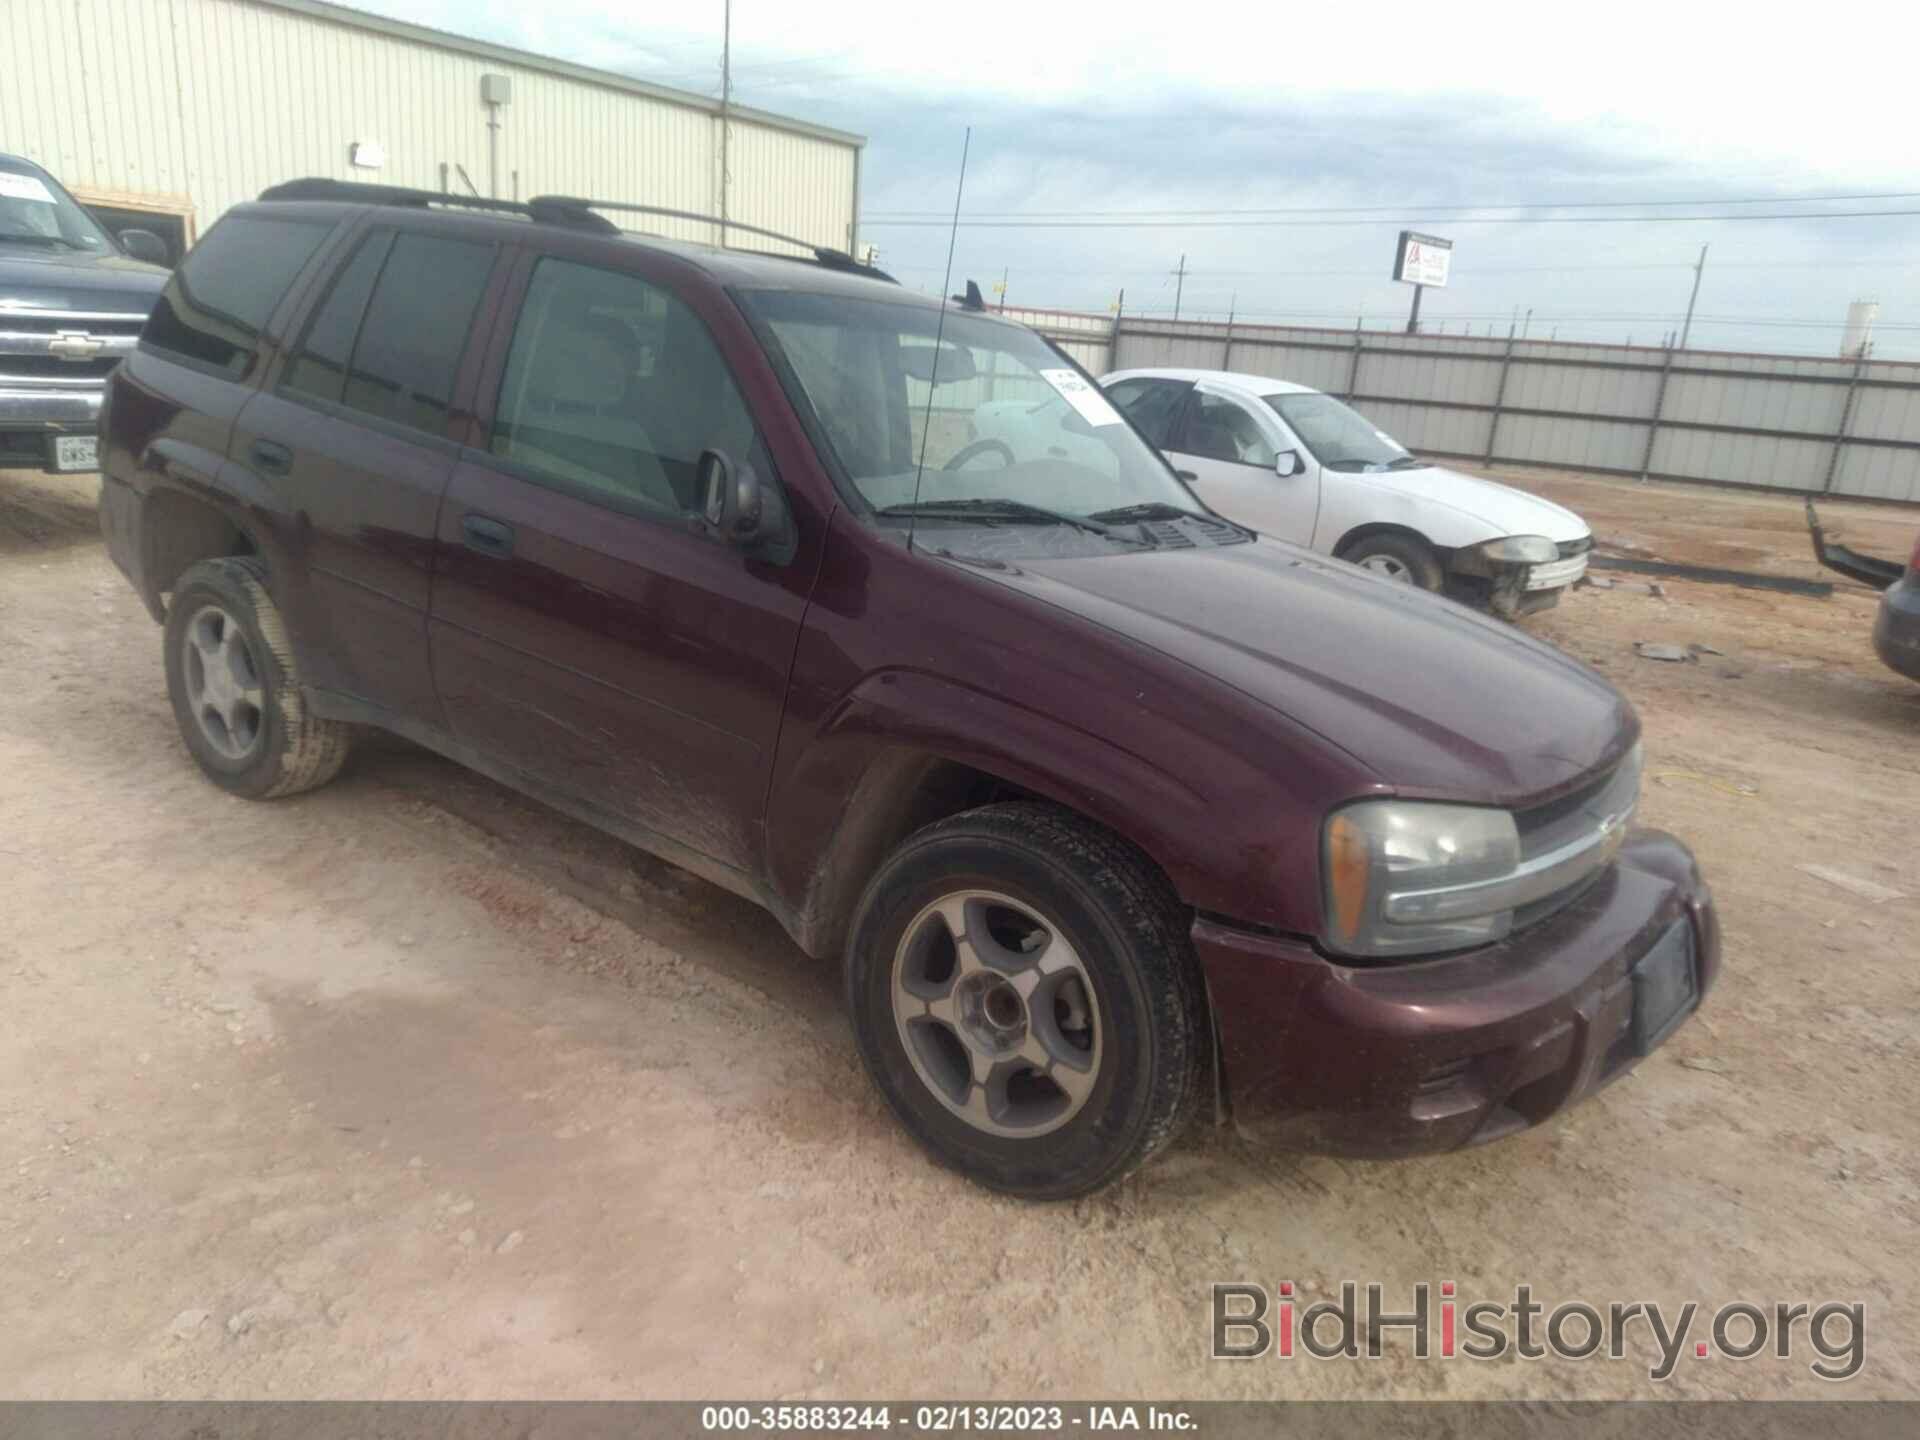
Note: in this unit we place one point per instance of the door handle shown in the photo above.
(271, 456)
(1187, 475)
(489, 537)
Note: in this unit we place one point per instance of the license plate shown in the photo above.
(1663, 986)
(76, 452)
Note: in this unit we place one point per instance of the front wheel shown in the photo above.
(1024, 993)
(1402, 558)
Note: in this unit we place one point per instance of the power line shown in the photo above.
(1377, 209)
(1414, 220)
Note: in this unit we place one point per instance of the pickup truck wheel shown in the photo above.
(1025, 995)
(1398, 557)
(236, 694)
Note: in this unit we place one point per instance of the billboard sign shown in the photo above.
(1422, 259)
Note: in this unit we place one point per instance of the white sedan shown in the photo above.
(1299, 464)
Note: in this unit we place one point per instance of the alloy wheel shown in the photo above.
(997, 1012)
(223, 683)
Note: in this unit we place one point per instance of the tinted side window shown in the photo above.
(1151, 405)
(415, 329)
(1219, 429)
(220, 298)
(320, 366)
(613, 388)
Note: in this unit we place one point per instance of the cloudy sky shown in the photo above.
(1343, 124)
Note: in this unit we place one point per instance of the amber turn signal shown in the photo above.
(1349, 865)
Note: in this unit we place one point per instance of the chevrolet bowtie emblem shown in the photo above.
(74, 345)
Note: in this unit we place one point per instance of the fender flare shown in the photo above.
(882, 747)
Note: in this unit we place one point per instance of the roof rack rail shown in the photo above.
(565, 210)
(572, 213)
(824, 254)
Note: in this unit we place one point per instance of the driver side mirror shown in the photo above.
(144, 245)
(1287, 463)
(737, 506)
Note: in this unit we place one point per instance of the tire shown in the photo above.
(236, 689)
(1118, 1014)
(1398, 557)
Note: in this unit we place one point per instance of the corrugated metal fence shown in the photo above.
(1784, 422)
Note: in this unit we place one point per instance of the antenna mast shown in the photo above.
(939, 330)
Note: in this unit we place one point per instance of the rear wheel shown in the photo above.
(1401, 558)
(1024, 993)
(235, 691)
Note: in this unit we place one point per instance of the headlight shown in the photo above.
(1521, 550)
(1406, 878)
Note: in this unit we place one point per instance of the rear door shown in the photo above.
(1230, 451)
(354, 434)
(585, 633)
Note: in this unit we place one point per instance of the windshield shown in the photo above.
(1010, 421)
(36, 213)
(1340, 437)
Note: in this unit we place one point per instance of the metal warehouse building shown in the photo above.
(172, 110)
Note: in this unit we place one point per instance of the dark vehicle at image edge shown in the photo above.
(1113, 809)
(72, 301)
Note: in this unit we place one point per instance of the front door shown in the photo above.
(1231, 452)
(585, 633)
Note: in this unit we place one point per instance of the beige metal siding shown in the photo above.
(218, 99)
(1763, 420)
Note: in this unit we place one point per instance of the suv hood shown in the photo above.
(1434, 698)
(37, 278)
(1501, 508)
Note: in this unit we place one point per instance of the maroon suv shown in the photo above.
(1113, 808)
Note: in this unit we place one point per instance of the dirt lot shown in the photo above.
(412, 1088)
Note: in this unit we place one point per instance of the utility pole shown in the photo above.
(1698, 269)
(1004, 270)
(726, 101)
(1179, 286)
(1527, 324)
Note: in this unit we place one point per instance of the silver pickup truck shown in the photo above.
(72, 301)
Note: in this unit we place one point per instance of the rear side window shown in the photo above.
(319, 367)
(613, 388)
(220, 298)
(415, 329)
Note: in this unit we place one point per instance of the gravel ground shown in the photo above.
(412, 1088)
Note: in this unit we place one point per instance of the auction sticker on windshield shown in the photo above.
(1085, 398)
(23, 187)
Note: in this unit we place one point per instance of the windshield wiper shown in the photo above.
(1410, 462)
(988, 508)
(1148, 510)
(34, 237)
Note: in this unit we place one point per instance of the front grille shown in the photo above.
(97, 323)
(60, 351)
(1597, 811)
(48, 368)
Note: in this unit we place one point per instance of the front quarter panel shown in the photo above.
(910, 655)
(1349, 501)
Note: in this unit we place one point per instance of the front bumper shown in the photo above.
(32, 416)
(1555, 574)
(1896, 629)
(51, 408)
(1430, 1056)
